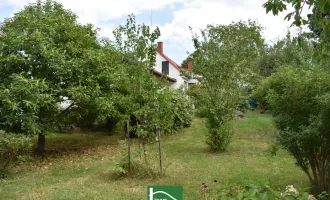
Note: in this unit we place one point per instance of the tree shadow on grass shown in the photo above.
(59, 145)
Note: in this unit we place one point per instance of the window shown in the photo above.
(165, 67)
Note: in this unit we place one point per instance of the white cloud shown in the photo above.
(175, 33)
(199, 13)
(97, 10)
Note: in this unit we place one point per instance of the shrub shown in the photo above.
(219, 132)
(254, 191)
(299, 100)
(183, 109)
(11, 147)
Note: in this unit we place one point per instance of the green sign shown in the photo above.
(165, 193)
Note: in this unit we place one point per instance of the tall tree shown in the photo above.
(45, 42)
(223, 59)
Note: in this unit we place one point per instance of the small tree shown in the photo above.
(223, 59)
(136, 43)
(143, 97)
(300, 103)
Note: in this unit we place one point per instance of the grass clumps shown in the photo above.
(12, 146)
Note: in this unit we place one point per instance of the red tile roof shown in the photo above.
(171, 61)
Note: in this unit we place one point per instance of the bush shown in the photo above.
(183, 109)
(219, 132)
(254, 191)
(197, 93)
(11, 147)
(299, 100)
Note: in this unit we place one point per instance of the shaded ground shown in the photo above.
(74, 170)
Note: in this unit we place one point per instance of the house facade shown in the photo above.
(167, 68)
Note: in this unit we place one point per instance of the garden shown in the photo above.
(83, 117)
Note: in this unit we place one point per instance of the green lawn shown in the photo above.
(81, 166)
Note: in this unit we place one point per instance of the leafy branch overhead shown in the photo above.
(318, 21)
(277, 6)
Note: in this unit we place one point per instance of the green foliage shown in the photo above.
(220, 132)
(146, 98)
(136, 43)
(289, 51)
(300, 103)
(318, 21)
(197, 93)
(294, 51)
(223, 58)
(182, 109)
(24, 104)
(11, 147)
(277, 6)
(59, 59)
(255, 191)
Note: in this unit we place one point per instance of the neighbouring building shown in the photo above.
(167, 68)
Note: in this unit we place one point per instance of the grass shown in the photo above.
(81, 166)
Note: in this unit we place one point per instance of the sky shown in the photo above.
(173, 17)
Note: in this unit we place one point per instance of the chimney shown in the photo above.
(160, 47)
(189, 63)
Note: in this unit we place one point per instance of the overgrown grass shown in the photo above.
(81, 166)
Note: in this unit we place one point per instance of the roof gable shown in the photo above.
(171, 61)
(160, 51)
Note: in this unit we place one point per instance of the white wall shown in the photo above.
(173, 72)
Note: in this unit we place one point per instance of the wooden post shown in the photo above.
(139, 142)
(128, 148)
(160, 150)
(144, 152)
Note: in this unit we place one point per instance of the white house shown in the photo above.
(165, 67)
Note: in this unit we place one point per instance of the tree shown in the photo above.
(144, 98)
(184, 63)
(299, 100)
(45, 42)
(318, 21)
(295, 51)
(290, 51)
(136, 43)
(223, 59)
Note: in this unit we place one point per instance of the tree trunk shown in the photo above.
(41, 143)
(129, 149)
(144, 152)
(160, 151)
